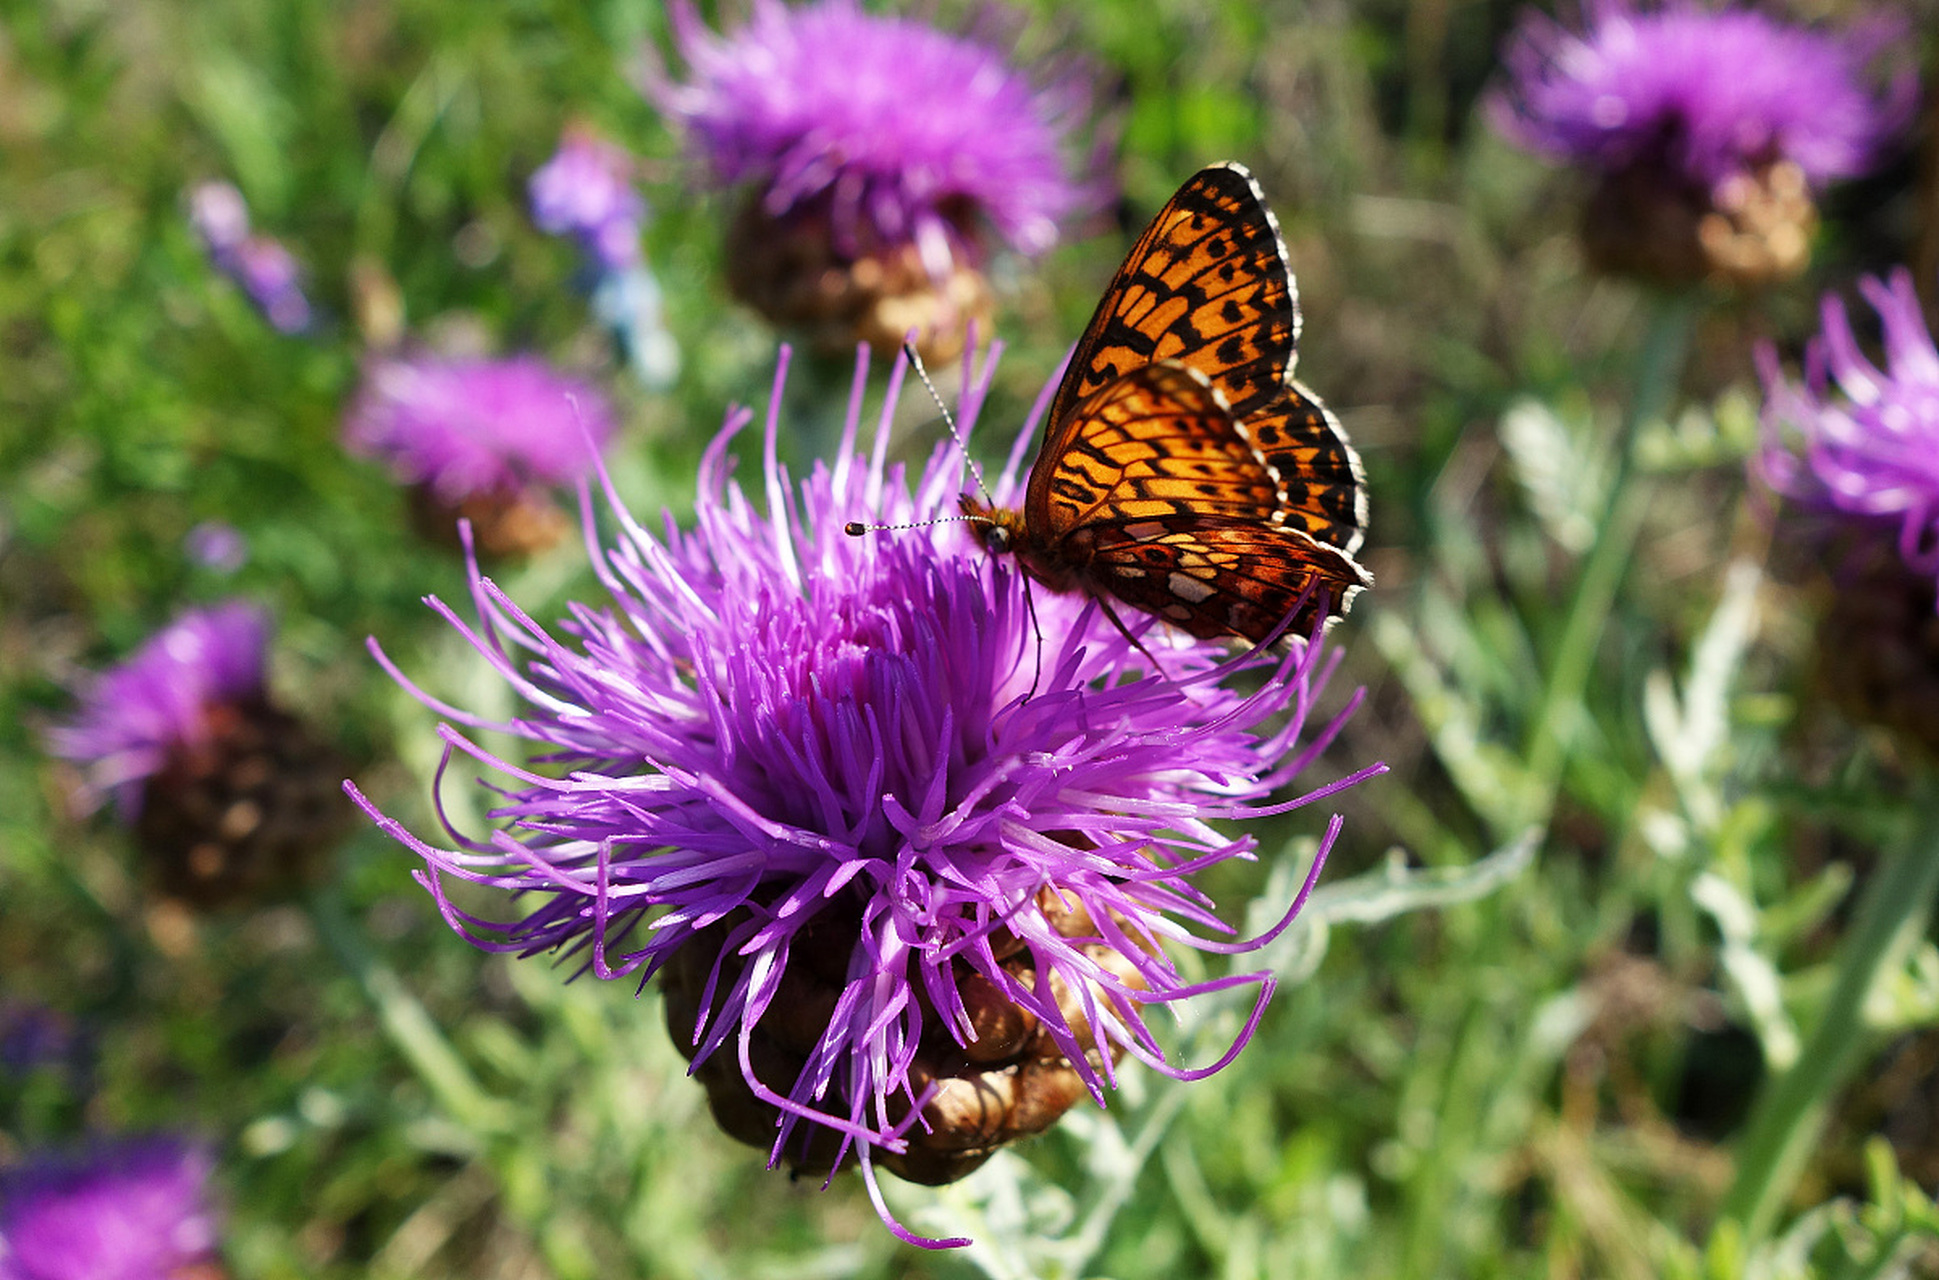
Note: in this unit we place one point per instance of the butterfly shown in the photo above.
(1183, 471)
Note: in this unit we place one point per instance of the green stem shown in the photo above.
(1785, 1124)
(1659, 365)
(410, 1026)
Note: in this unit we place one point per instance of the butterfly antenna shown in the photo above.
(856, 528)
(949, 420)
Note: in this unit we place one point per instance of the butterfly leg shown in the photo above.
(1036, 629)
(1125, 631)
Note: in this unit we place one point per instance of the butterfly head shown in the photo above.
(999, 531)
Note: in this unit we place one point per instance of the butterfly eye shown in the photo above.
(997, 539)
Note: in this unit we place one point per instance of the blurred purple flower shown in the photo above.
(788, 735)
(1868, 455)
(264, 269)
(473, 426)
(134, 715)
(586, 191)
(219, 215)
(216, 545)
(897, 132)
(1710, 94)
(34, 1036)
(269, 275)
(132, 1209)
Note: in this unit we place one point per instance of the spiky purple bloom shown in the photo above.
(262, 266)
(468, 426)
(135, 714)
(906, 134)
(132, 1209)
(771, 723)
(1707, 93)
(586, 191)
(1868, 454)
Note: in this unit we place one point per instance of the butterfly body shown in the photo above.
(1183, 471)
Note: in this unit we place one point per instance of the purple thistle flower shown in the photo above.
(475, 426)
(774, 735)
(134, 715)
(902, 133)
(1870, 455)
(1709, 94)
(586, 191)
(264, 269)
(133, 1209)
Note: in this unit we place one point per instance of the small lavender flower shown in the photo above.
(219, 215)
(852, 788)
(216, 545)
(470, 426)
(34, 1036)
(877, 140)
(133, 1209)
(262, 266)
(1868, 455)
(1727, 110)
(135, 715)
(268, 273)
(586, 191)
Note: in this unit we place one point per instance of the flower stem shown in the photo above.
(1786, 1121)
(1659, 366)
(409, 1025)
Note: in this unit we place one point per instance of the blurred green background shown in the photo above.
(1543, 1080)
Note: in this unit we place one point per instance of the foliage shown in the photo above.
(1500, 1055)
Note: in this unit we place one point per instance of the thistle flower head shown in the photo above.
(586, 191)
(773, 735)
(1709, 94)
(134, 715)
(134, 1209)
(898, 132)
(472, 426)
(1863, 442)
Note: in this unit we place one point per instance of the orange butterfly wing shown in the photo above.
(1159, 499)
(1212, 577)
(1208, 285)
